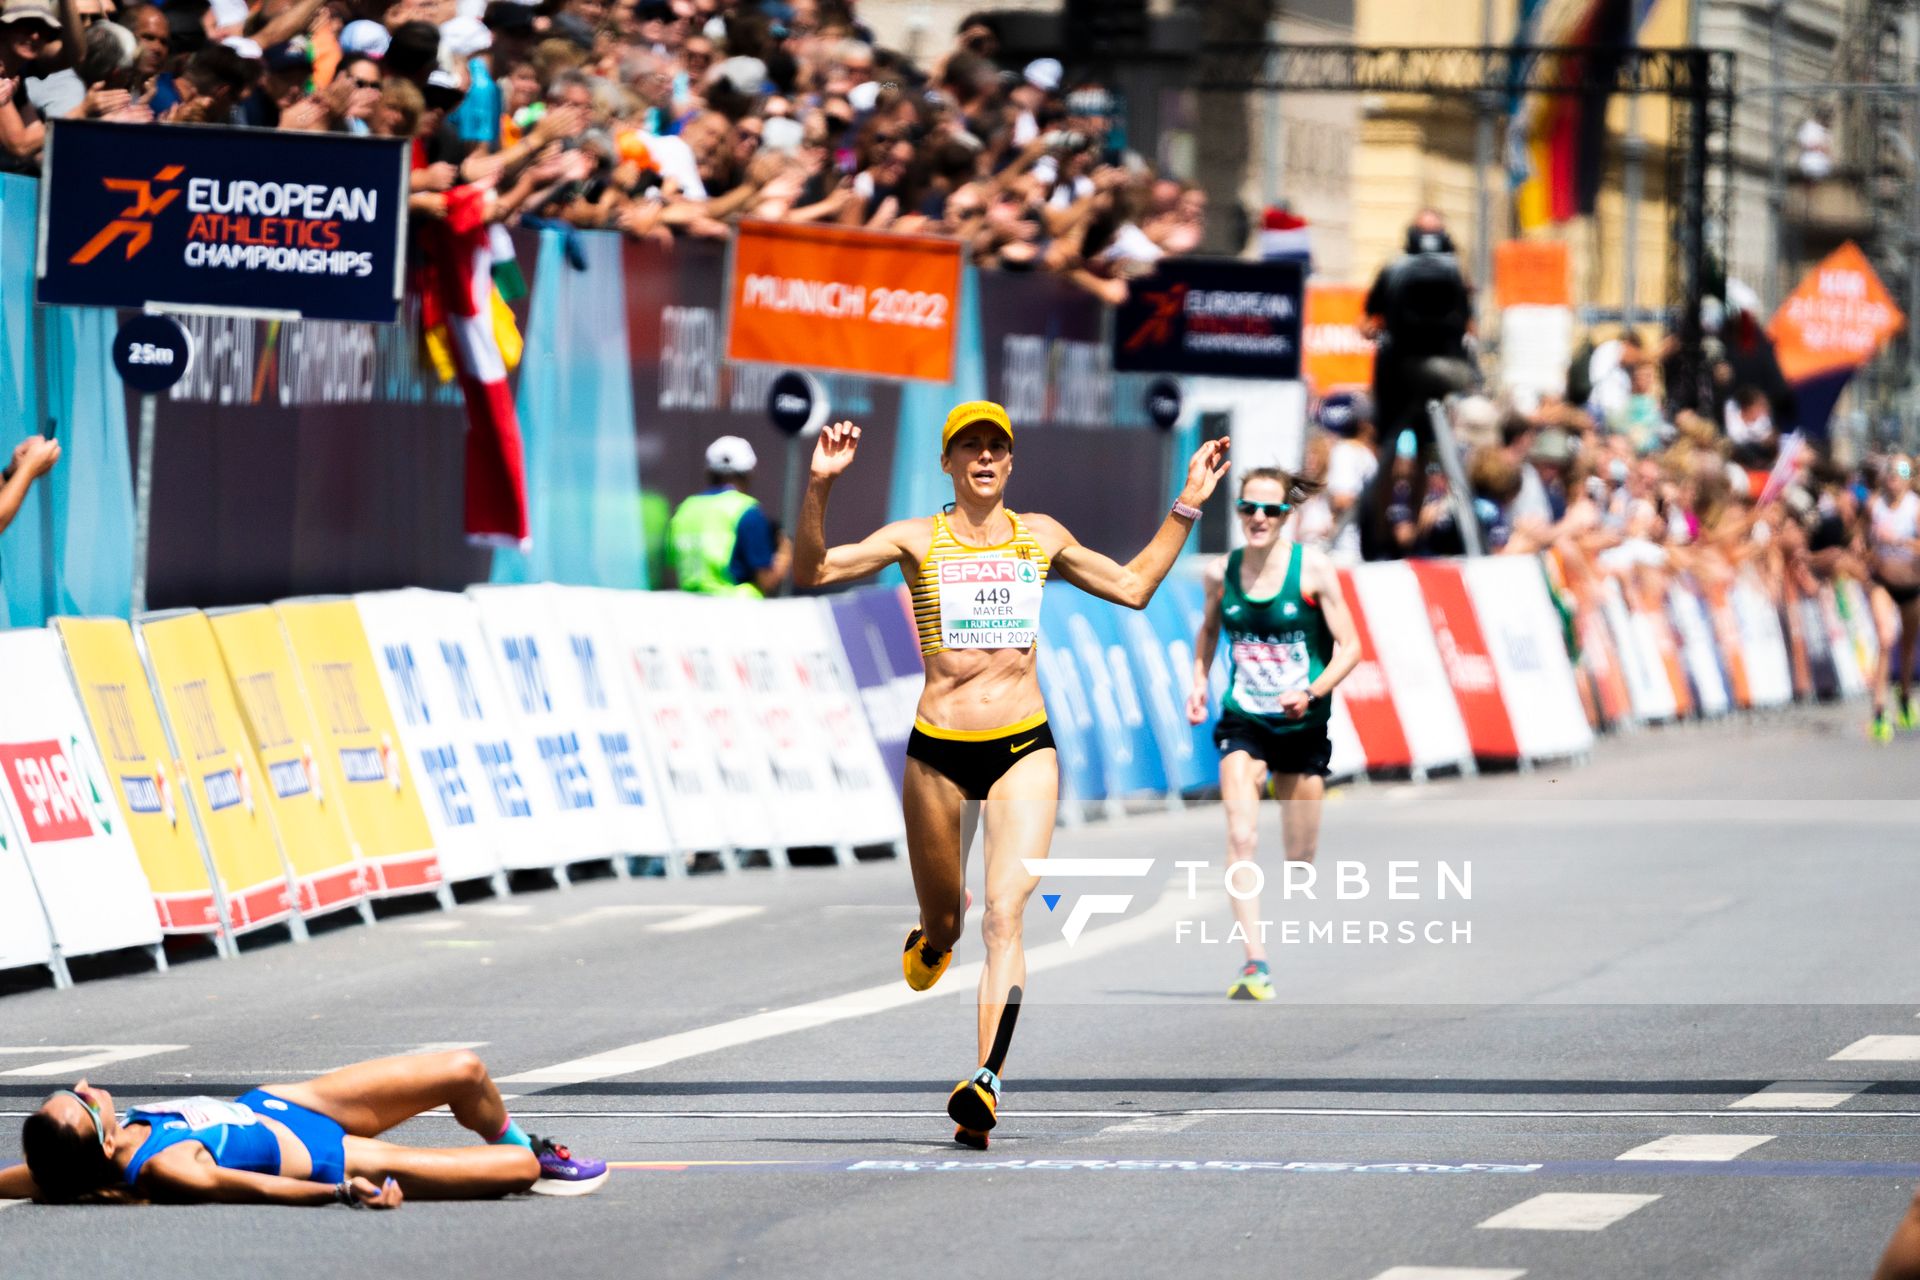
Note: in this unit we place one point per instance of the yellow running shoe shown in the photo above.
(1254, 983)
(975, 1138)
(1881, 730)
(921, 963)
(1908, 717)
(974, 1105)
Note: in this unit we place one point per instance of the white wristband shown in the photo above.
(1182, 509)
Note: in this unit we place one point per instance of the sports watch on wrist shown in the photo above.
(1182, 509)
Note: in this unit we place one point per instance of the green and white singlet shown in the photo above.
(1275, 646)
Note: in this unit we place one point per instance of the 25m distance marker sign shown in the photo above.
(235, 220)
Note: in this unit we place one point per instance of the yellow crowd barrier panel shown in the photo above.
(228, 782)
(313, 832)
(133, 746)
(361, 758)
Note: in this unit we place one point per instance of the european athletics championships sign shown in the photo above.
(197, 217)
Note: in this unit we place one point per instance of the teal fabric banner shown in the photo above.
(70, 549)
(919, 487)
(576, 417)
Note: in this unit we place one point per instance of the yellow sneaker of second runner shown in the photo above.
(922, 970)
(1254, 983)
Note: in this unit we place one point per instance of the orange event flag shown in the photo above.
(1333, 351)
(826, 297)
(1837, 318)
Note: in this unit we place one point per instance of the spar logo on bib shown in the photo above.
(47, 790)
(988, 572)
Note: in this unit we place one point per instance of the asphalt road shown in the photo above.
(1699, 916)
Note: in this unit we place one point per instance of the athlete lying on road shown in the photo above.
(312, 1143)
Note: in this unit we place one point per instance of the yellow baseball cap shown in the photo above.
(965, 415)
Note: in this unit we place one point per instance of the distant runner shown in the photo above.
(1893, 543)
(1290, 641)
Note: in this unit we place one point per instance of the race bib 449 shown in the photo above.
(989, 603)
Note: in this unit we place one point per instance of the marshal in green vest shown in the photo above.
(702, 533)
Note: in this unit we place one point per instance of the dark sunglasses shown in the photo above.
(364, 84)
(1271, 510)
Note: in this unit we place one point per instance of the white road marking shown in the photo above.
(1077, 868)
(84, 1057)
(704, 918)
(1568, 1211)
(1696, 1146)
(680, 918)
(1451, 1273)
(648, 1054)
(434, 926)
(444, 1046)
(1880, 1049)
(1818, 1095)
(8, 1204)
(1171, 1123)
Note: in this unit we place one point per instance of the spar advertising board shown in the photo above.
(197, 217)
(681, 630)
(827, 702)
(306, 812)
(759, 684)
(24, 939)
(485, 812)
(638, 810)
(59, 804)
(659, 682)
(553, 654)
(1523, 638)
(1398, 626)
(1366, 697)
(1463, 654)
(1698, 652)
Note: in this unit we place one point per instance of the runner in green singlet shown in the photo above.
(1290, 640)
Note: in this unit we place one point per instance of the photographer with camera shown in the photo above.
(1419, 312)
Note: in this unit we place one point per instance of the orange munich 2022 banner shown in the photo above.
(1333, 351)
(843, 299)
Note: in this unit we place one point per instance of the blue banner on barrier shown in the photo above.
(1162, 671)
(240, 219)
(1082, 779)
(1085, 649)
(883, 653)
(1175, 612)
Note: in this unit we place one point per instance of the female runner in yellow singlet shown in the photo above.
(980, 730)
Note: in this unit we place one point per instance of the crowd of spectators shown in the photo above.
(1616, 480)
(662, 118)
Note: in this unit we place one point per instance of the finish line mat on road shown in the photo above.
(1550, 1168)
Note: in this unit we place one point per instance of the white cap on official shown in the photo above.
(730, 456)
(1044, 74)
